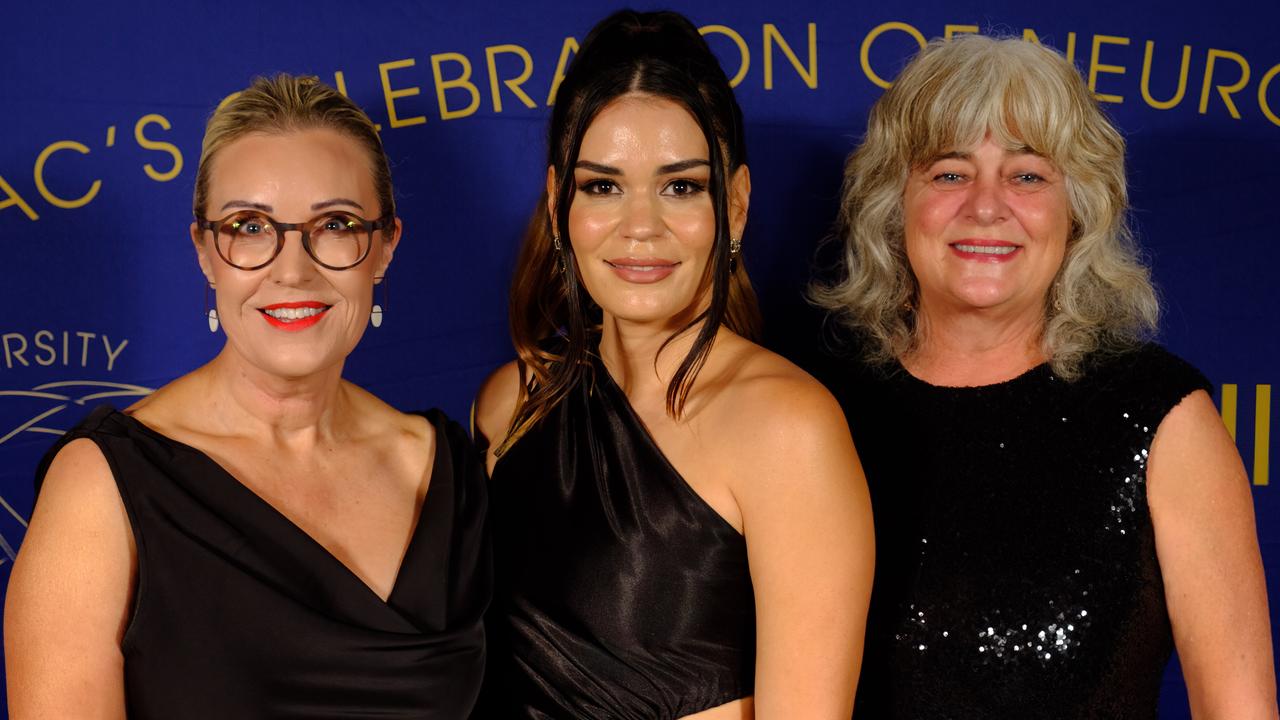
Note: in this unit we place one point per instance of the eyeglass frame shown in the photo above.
(369, 226)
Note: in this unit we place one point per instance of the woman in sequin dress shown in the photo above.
(1057, 502)
(680, 527)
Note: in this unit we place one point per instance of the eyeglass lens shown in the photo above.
(250, 239)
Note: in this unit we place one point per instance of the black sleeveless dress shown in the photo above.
(620, 593)
(240, 614)
(1016, 570)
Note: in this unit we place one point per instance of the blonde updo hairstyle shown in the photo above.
(949, 97)
(290, 103)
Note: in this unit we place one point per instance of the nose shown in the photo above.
(985, 203)
(641, 217)
(293, 266)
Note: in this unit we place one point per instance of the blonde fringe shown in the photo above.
(951, 96)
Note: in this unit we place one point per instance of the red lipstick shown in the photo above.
(294, 316)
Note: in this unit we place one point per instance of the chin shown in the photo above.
(637, 306)
(637, 315)
(983, 294)
(641, 314)
(293, 366)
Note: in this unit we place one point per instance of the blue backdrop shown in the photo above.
(104, 107)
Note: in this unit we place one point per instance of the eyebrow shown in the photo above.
(322, 205)
(598, 168)
(247, 204)
(683, 165)
(965, 155)
(674, 167)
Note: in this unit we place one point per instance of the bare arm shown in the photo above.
(494, 408)
(1208, 549)
(69, 595)
(807, 519)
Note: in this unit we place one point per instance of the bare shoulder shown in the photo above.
(805, 512)
(81, 470)
(1192, 449)
(68, 599)
(496, 402)
(776, 425)
(377, 418)
(79, 533)
(773, 395)
(1207, 545)
(79, 501)
(404, 443)
(1194, 414)
(176, 408)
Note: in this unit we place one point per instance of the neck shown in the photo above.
(635, 356)
(250, 402)
(975, 347)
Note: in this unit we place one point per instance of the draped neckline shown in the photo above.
(611, 386)
(322, 554)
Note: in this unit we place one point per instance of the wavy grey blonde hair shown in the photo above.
(948, 98)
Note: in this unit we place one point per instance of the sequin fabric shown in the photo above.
(1016, 568)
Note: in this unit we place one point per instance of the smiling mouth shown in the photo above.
(646, 266)
(986, 249)
(642, 270)
(294, 315)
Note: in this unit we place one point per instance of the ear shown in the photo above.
(390, 241)
(739, 200)
(552, 192)
(202, 252)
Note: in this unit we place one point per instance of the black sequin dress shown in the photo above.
(1016, 570)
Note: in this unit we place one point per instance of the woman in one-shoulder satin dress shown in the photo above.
(681, 528)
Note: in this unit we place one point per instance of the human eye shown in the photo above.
(338, 223)
(249, 225)
(1031, 169)
(598, 186)
(684, 187)
(947, 176)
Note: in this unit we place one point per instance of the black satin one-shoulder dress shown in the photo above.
(240, 614)
(620, 593)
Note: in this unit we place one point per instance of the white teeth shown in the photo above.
(289, 314)
(986, 249)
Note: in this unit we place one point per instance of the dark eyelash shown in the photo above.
(694, 185)
(593, 186)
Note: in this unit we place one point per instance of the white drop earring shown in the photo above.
(375, 313)
(210, 313)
